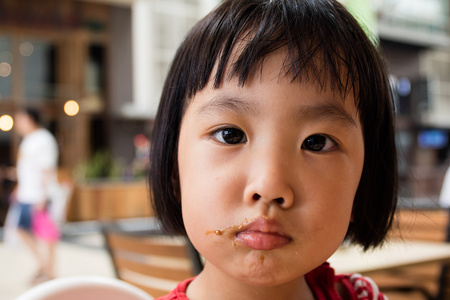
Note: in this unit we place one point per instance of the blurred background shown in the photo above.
(95, 70)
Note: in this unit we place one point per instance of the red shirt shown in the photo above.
(321, 281)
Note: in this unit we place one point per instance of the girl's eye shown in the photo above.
(230, 136)
(318, 142)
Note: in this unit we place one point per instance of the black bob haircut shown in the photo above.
(325, 45)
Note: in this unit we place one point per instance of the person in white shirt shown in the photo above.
(36, 173)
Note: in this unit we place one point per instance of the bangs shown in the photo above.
(319, 42)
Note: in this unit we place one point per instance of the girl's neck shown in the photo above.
(212, 283)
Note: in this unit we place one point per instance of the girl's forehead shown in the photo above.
(275, 66)
(281, 64)
(273, 81)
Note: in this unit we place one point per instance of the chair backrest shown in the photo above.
(154, 263)
(421, 224)
(428, 225)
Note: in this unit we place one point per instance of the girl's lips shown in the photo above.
(262, 234)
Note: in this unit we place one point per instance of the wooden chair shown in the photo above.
(153, 262)
(444, 280)
(431, 281)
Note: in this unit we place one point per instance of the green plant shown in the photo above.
(100, 165)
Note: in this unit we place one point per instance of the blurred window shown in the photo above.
(6, 61)
(38, 70)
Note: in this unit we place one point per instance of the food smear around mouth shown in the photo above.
(230, 229)
(261, 259)
(253, 239)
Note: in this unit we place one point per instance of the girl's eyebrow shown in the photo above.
(223, 103)
(326, 112)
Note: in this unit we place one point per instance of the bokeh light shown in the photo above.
(71, 108)
(26, 48)
(5, 69)
(6, 123)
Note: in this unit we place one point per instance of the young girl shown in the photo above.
(274, 141)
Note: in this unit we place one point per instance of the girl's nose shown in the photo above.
(270, 183)
(280, 200)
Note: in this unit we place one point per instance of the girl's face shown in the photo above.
(268, 174)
